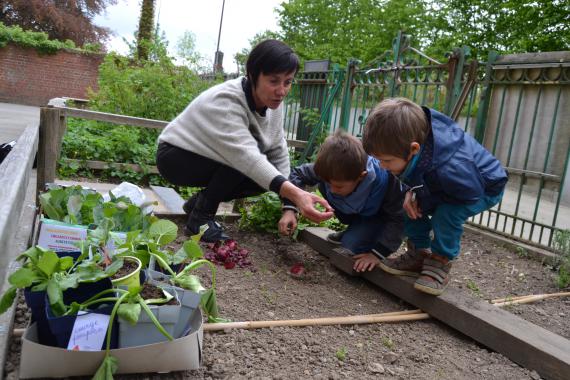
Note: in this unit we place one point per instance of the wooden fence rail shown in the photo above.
(52, 129)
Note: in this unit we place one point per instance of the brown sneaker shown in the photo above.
(408, 264)
(434, 275)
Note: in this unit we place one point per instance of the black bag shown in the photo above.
(5, 149)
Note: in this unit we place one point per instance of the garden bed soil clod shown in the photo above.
(411, 350)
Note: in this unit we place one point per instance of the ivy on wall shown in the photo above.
(40, 41)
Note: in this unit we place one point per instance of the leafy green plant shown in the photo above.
(388, 343)
(561, 244)
(43, 270)
(341, 354)
(521, 252)
(38, 40)
(471, 285)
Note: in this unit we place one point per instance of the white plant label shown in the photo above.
(89, 332)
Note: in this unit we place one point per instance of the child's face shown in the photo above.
(343, 188)
(397, 165)
(393, 164)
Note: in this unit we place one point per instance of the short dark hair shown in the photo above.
(340, 158)
(269, 57)
(392, 126)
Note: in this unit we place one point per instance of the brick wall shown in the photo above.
(27, 77)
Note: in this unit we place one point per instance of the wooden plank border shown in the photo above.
(522, 342)
(17, 212)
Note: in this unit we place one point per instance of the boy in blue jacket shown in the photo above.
(364, 196)
(448, 177)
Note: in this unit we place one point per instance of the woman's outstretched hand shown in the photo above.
(306, 202)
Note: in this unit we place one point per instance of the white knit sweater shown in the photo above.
(218, 124)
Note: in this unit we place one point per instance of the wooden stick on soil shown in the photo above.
(414, 315)
(395, 316)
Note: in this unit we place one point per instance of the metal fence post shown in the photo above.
(485, 98)
(347, 94)
(453, 86)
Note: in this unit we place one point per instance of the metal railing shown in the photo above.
(517, 106)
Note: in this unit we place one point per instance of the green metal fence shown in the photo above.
(517, 106)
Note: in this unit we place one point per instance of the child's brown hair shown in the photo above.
(393, 125)
(340, 158)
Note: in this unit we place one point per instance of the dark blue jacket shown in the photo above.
(384, 202)
(461, 170)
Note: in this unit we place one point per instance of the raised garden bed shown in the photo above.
(410, 350)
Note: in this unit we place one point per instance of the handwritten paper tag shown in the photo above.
(89, 332)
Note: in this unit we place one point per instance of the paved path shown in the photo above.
(14, 118)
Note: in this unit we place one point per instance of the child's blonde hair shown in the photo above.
(340, 158)
(392, 126)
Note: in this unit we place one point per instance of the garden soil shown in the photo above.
(409, 350)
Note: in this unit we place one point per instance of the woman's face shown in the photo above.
(271, 89)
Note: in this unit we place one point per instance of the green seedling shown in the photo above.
(521, 252)
(341, 354)
(388, 343)
(471, 285)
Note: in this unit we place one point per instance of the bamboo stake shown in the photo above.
(350, 320)
(532, 298)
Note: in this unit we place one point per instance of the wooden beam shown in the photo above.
(522, 342)
(113, 118)
(49, 145)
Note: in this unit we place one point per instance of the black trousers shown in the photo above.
(221, 183)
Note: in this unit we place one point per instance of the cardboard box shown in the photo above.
(45, 361)
(63, 237)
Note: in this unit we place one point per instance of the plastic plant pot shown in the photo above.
(61, 327)
(189, 302)
(131, 280)
(144, 331)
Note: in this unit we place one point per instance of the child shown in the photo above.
(363, 195)
(448, 177)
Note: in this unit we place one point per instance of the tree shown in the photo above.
(146, 27)
(186, 51)
(343, 29)
(61, 20)
(511, 26)
(241, 57)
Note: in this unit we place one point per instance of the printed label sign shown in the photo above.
(89, 332)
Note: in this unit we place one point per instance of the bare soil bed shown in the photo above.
(409, 350)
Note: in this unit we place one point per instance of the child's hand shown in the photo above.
(411, 206)
(365, 261)
(288, 223)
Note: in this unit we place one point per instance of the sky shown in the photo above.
(242, 20)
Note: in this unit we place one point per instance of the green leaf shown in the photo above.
(55, 296)
(48, 263)
(74, 203)
(193, 250)
(107, 368)
(164, 231)
(209, 303)
(65, 263)
(48, 209)
(130, 312)
(159, 301)
(8, 299)
(66, 281)
(23, 277)
(190, 282)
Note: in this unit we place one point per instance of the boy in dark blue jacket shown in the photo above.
(448, 177)
(364, 196)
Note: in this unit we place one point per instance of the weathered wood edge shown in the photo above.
(522, 342)
(17, 214)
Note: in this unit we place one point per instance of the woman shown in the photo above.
(230, 141)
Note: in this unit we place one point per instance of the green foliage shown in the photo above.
(561, 244)
(241, 56)
(37, 40)
(262, 213)
(341, 354)
(152, 89)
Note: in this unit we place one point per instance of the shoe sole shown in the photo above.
(397, 272)
(429, 290)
